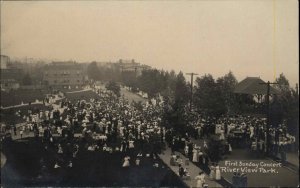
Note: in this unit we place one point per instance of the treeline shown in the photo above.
(103, 73)
(212, 97)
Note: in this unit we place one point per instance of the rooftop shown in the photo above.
(253, 85)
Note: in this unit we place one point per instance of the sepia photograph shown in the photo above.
(192, 94)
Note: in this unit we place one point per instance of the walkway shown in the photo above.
(79, 91)
(192, 169)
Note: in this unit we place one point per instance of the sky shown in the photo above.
(250, 37)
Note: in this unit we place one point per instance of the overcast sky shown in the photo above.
(249, 37)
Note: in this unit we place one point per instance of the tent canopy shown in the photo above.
(253, 85)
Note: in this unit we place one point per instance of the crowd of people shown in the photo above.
(108, 123)
(240, 132)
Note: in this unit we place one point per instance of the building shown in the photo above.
(10, 77)
(9, 84)
(128, 66)
(64, 75)
(4, 62)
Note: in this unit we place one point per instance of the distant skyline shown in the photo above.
(250, 38)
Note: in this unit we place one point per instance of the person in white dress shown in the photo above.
(212, 172)
(195, 155)
(126, 162)
(186, 150)
(131, 144)
(218, 173)
(137, 162)
(222, 134)
(200, 180)
(251, 131)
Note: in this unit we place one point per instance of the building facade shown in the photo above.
(9, 84)
(4, 61)
(64, 75)
(128, 66)
(10, 77)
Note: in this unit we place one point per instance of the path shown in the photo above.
(192, 169)
(132, 96)
(88, 89)
(127, 94)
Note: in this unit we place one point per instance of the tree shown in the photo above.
(207, 96)
(226, 86)
(151, 81)
(27, 79)
(175, 111)
(181, 93)
(93, 71)
(114, 87)
(288, 101)
(283, 83)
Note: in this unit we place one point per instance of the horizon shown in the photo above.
(249, 38)
(116, 61)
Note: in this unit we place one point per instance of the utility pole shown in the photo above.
(191, 101)
(268, 114)
(135, 69)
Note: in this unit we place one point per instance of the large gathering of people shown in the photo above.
(233, 132)
(108, 123)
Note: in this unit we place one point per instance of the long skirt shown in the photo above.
(218, 175)
(195, 157)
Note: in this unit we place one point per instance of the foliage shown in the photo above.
(175, 105)
(114, 87)
(287, 101)
(152, 81)
(208, 98)
(93, 71)
(181, 94)
(226, 85)
(27, 79)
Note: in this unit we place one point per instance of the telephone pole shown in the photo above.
(192, 75)
(268, 114)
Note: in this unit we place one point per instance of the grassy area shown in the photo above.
(9, 115)
(16, 97)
